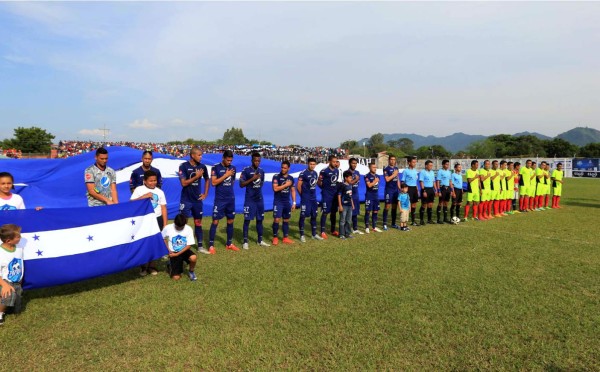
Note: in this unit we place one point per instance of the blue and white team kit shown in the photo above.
(329, 188)
(391, 187)
(308, 197)
(282, 207)
(372, 194)
(254, 205)
(190, 203)
(224, 195)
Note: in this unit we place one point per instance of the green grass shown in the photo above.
(523, 293)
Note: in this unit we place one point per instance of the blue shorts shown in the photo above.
(356, 210)
(282, 210)
(372, 205)
(225, 208)
(254, 209)
(329, 203)
(192, 209)
(308, 209)
(391, 197)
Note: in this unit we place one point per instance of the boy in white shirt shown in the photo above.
(179, 239)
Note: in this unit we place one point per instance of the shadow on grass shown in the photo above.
(581, 204)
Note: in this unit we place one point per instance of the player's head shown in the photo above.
(101, 157)
(503, 164)
(180, 221)
(255, 159)
(150, 179)
(474, 164)
(559, 166)
(373, 168)
(412, 161)
(392, 160)
(10, 234)
(517, 165)
(227, 157)
(510, 165)
(352, 163)
(457, 168)
(543, 165)
(347, 176)
(404, 187)
(196, 154)
(332, 159)
(285, 167)
(533, 165)
(528, 163)
(146, 158)
(312, 163)
(7, 182)
(445, 164)
(486, 164)
(495, 164)
(428, 165)
(337, 163)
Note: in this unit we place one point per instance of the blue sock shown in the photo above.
(246, 226)
(259, 230)
(367, 219)
(323, 222)
(355, 222)
(374, 223)
(211, 234)
(276, 229)
(301, 225)
(286, 229)
(199, 235)
(229, 233)
(313, 224)
(385, 214)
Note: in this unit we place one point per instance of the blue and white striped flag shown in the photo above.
(66, 245)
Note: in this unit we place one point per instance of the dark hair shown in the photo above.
(474, 161)
(372, 163)
(517, 164)
(428, 162)
(147, 152)
(403, 185)
(509, 162)
(12, 179)
(544, 162)
(503, 162)
(9, 231)
(528, 160)
(533, 162)
(347, 174)
(255, 154)
(456, 165)
(331, 157)
(196, 149)
(149, 173)
(445, 161)
(311, 160)
(228, 154)
(285, 162)
(180, 220)
(411, 158)
(392, 157)
(557, 164)
(352, 159)
(494, 161)
(101, 151)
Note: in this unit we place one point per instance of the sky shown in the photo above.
(309, 73)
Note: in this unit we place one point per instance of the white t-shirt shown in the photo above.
(11, 265)
(13, 203)
(158, 197)
(178, 239)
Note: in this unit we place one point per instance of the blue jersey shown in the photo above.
(137, 177)
(457, 180)
(224, 190)
(392, 185)
(427, 177)
(191, 193)
(443, 176)
(253, 190)
(329, 182)
(309, 185)
(283, 196)
(346, 193)
(355, 176)
(372, 192)
(404, 200)
(409, 177)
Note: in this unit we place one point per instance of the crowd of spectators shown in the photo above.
(293, 154)
(10, 153)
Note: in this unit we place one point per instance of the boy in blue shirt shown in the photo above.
(404, 206)
(346, 205)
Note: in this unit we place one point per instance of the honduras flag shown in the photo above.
(66, 245)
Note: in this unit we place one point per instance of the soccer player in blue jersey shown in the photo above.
(372, 198)
(223, 179)
(392, 187)
(410, 177)
(442, 184)
(355, 182)
(307, 188)
(328, 182)
(427, 182)
(253, 179)
(191, 201)
(283, 187)
(137, 175)
(456, 190)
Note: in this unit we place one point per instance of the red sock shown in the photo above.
(546, 199)
(521, 203)
(482, 209)
(489, 209)
(467, 208)
(553, 201)
(558, 201)
(475, 210)
(497, 206)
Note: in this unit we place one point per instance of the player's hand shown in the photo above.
(424, 194)
(172, 254)
(148, 195)
(395, 172)
(202, 197)
(229, 172)
(439, 194)
(289, 183)
(199, 174)
(256, 176)
(7, 291)
(293, 206)
(453, 194)
(39, 208)
(376, 181)
(109, 202)
(340, 209)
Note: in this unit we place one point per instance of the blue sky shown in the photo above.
(298, 72)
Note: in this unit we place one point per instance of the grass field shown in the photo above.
(521, 292)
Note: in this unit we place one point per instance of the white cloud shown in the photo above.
(143, 124)
(92, 132)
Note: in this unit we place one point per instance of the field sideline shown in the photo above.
(521, 292)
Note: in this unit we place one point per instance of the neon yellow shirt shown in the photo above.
(557, 175)
(475, 183)
(496, 181)
(524, 173)
(487, 182)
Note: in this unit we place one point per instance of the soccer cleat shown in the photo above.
(475, 218)
(350, 237)
(367, 231)
(232, 247)
(395, 227)
(287, 240)
(264, 244)
(323, 235)
(422, 223)
(203, 251)
(385, 228)
(516, 212)
(377, 229)
(440, 222)
(334, 233)
(358, 232)
(319, 237)
(143, 272)
(276, 240)
(212, 250)
(245, 246)
(302, 239)
(406, 228)
(430, 222)
(414, 224)
(192, 276)
(342, 237)
(465, 219)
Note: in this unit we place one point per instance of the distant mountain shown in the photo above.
(538, 135)
(581, 136)
(454, 142)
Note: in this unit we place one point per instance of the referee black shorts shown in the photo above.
(445, 193)
(413, 194)
(458, 196)
(430, 195)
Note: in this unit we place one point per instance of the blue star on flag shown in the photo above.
(132, 237)
(36, 237)
(132, 222)
(90, 238)
(39, 253)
